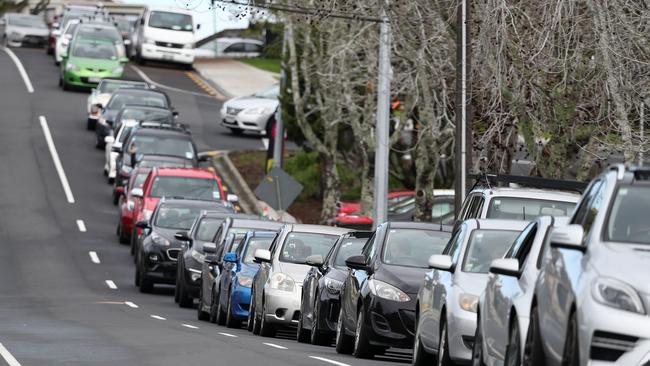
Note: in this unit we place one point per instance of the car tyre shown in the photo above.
(124, 238)
(302, 335)
(513, 350)
(362, 347)
(200, 314)
(266, 329)
(183, 299)
(251, 314)
(213, 307)
(443, 350)
(231, 321)
(477, 350)
(221, 314)
(317, 337)
(571, 354)
(420, 355)
(533, 350)
(146, 284)
(343, 341)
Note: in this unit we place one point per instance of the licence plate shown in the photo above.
(230, 119)
(94, 80)
(167, 57)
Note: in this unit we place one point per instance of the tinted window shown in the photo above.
(139, 179)
(150, 163)
(593, 209)
(628, 219)
(111, 86)
(185, 187)
(235, 47)
(174, 21)
(162, 116)
(161, 145)
(484, 246)
(180, 218)
(412, 247)
(522, 244)
(298, 246)
(109, 34)
(71, 28)
(515, 208)
(252, 47)
(269, 93)
(453, 247)
(208, 229)
(583, 209)
(253, 245)
(26, 21)
(348, 248)
(118, 101)
(95, 50)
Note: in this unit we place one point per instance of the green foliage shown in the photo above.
(266, 64)
(305, 168)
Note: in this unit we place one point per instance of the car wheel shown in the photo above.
(137, 276)
(443, 350)
(221, 314)
(533, 351)
(513, 350)
(571, 356)
(231, 321)
(251, 312)
(477, 350)
(266, 329)
(343, 341)
(64, 85)
(420, 355)
(318, 338)
(236, 131)
(146, 285)
(116, 198)
(256, 319)
(200, 314)
(184, 300)
(302, 334)
(213, 307)
(133, 239)
(362, 347)
(124, 238)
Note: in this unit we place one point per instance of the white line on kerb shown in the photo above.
(228, 335)
(157, 317)
(21, 69)
(94, 257)
(57, 161)
(111, 285)
(189, 326)
(131, 305)
(11, 360)
(329, 361)
(81, 226)
(275, 346)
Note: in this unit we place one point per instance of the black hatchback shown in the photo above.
(379, 294)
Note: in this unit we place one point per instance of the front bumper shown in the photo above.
(103, 130)
(86, 79)
(240, 298)
(242, 121)
(157, 53)
(282, 307)
(461, 328)
(329, 306)
(162, 270)
(126, 220)
(192, 286)
(392, 324)
(26, 40)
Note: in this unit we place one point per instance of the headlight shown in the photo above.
(125, 170)
(195, 274)
(71, 67)
(614, 293)
(468, 302)
(333, 286)
(147, 214)
(118, 70)
(15, 35)
(102, 121)
(159, 240)
(189, 46)
(282, 281)
(130, 205)
(198, 256)
(149, 41)
(386, 291)
(261, 110)
(245, 281)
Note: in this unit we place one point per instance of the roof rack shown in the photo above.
(489, 180)
(163, 126)
(639, 172)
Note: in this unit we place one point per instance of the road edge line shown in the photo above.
(21, 69)
(56, 159)
(11, 360)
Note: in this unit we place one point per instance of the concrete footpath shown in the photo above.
(233, 78)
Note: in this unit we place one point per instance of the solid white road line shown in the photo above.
(275, 346)
(111, 285)
(21, 69)
(228, 335)
(94, 257)
(157, 317)
(81, 226)
(131, 305)
(189, 326)
(57, 161)
(329, 361)
(11, 360)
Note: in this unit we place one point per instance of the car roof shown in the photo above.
(320, 229)
(145, 107)
(182, 202)
(496, 224)
(541, 194)
(170, 9)
(161, 157)
(154, 131)
(183, 172)
(139, 91)
(256, 224)
(419, 225)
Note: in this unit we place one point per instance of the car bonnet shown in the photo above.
(407, 279)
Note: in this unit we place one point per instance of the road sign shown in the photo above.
(278, 189)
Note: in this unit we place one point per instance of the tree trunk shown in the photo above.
(331, 189)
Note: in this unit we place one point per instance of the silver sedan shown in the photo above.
(447, 301)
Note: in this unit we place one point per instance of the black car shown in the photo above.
(141, 113)
(157, 254)
(188, 274)
(442, 211)
(226, 240)
(125, 97)
(320, 303)
(379, 294)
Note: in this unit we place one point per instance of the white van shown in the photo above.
(165, 34)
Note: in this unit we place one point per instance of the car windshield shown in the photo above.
(517, 208)
(94, 50)
(269, 93)
(124, 133)
(163, 116)
(413, 247)
(484, 246)
(441, 209)
(185, 187)
(348, 248)
(151, 163)
(107, 86)
(208, 228)
(298, 246)
(168, 20)
(71, 28)
(179, 218)
(26, 21)
(627, 221)
(253, 245)
(159, 145)
(124, 24)
(99, 33)
(139, 179)
(119, 100)
(237, 235)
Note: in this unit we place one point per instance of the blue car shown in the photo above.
(239, 268)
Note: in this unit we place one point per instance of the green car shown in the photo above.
(88, 61)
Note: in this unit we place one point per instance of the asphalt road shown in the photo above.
(57, 306)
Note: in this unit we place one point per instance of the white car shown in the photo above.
(111, 154)
(17, 30)
(251, 113)
(102, 94)
(504, 307)
(591, 303)
(63, 41)
(448, 298)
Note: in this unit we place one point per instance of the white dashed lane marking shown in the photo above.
(158, 317)
(228, 335)
(11, 360)
(81, 226)
(111, 285)
(131, 305)
(94, 257)
(329, 361)
(189, 326)
(275, 345)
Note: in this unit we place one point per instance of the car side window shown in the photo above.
(581, 211)
(453, 248)
(274, 243)
(370, 248)
(592, 210)
(521, 247)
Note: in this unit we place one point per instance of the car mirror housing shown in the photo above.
(506, 267)
(182, 236)
(210, 248)
(230, 257)
(137, 192)
(109, 139)
(262, 255)
(357, 262)
(232, 198)
(142, 224)
(441, 262)
(315, 260)
(568, 237)
(210, 259)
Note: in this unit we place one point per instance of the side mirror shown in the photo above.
(441, 262)
(209, 248)
(262, 255)
(506, 267)
(109, 139)
(137, 192)
(175, 114)
(56, 32)
(232, 198)
(568, 237)
(198, 26)
(182, 236)
(55, 25)
(142, 224)
(116, 148)
(127, 42)
(230, 257)
(357, 262)
(203, 157)
(315, 260)
(119, 190)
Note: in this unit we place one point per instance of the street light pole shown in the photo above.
(463, 136)
(214, 22)
(382, 123)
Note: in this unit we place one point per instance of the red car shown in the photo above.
(128, 204)
(348, 213)
(190, 183)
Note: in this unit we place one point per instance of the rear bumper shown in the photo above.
(86, 79)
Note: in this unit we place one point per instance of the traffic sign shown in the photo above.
(278, 189)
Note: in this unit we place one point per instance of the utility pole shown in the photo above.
(278, 143)
(214, 23)
(641, 133)
(382, 123)
(463, 133)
